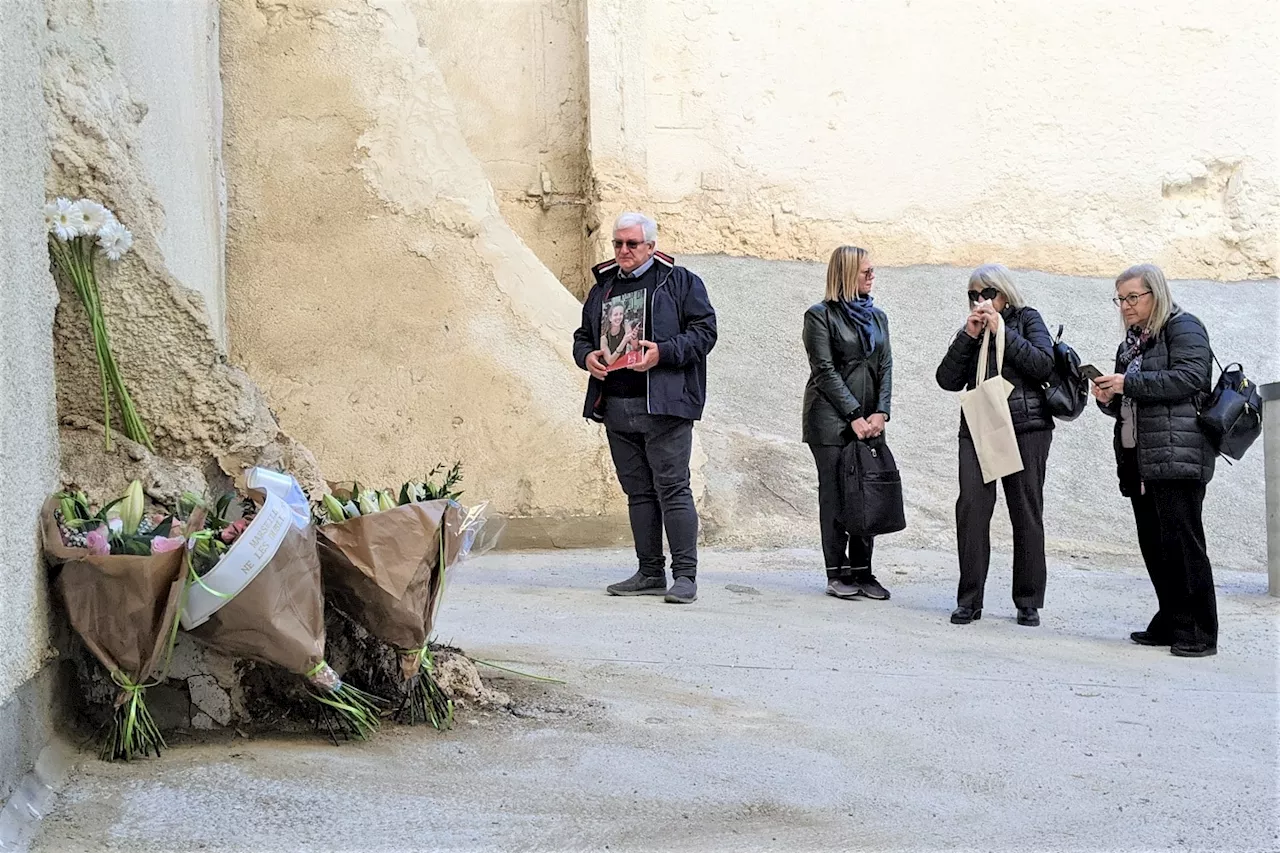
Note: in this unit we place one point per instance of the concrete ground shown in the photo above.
(764, 717)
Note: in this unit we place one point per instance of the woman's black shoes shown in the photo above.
(1146, 638)
(1193, 650)
(964, 615)
(1029, 616)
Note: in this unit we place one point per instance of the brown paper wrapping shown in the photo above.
(279, 617)
(383, 569)
(123, 607)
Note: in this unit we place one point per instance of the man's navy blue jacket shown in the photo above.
(683, 325)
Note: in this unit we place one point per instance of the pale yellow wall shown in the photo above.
(1073, 136)
(517, 71)
(376, 292)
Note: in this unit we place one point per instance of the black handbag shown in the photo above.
(871, 489)
(1067, 391)
(1232, 416)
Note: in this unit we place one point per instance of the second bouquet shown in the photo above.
(255, 592)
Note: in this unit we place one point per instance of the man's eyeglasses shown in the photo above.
(987, 293)
(1130, 300)
(630, 244)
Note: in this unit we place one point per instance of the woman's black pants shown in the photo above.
(1169, 516)
(843, 553)
(1024, 493)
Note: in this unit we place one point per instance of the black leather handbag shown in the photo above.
(1067, 391)
(871, 489)
(1232, 416)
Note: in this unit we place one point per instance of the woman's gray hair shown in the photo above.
(1152, 279)
(630, 219)
(997, 276)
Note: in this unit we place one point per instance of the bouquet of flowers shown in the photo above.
(119, 574)
(255, 592)
(74, 230)
(384, 565)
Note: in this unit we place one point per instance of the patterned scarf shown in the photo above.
(1135, 341)
(861, 313)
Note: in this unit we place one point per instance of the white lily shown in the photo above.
(351, 509)
(368, 501)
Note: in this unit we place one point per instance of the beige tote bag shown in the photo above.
(986, 411)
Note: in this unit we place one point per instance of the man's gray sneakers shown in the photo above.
(683, 591)
(842, 588)
(639, 584)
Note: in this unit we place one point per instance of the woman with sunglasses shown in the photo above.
(1163, 371)
(850, 382)
(1028, 364)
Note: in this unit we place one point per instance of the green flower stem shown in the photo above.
(75, 258)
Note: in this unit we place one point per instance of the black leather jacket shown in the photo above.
(1175, 378)
(1028, 364)
(845, 383)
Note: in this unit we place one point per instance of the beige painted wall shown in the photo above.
(1076, 136)
(28, 427)
(517, 72)
(376, 291)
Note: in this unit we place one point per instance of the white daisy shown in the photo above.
(61, 216)
(95, 216)
(114, 239)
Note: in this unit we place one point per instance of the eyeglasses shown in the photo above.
(869, 272)
(630, 244)
(987, 293)
(1130, 300)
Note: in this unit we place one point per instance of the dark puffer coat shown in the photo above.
(845, 383)
(1028, 365)
(1175, 379)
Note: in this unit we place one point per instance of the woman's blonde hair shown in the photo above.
(997, 276)
(842, 273)
(1153, 280)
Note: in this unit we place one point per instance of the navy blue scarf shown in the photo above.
(862, 314)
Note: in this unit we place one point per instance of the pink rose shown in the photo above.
(96, 541)
(228, 534)
(164, 544)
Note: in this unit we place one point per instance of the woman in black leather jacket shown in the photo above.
(1164, 460)
(847, 395)
(1028, 364)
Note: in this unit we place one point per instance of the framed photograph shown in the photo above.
(621, 328)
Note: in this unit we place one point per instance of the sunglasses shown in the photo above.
(869, 272)
(630, 244)
(987, 293)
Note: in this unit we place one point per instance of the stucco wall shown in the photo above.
(1072, 137)
(375, 290)
(28, 430)
(168, 51)
(517, 72)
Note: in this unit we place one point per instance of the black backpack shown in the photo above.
(1067, 391)
(1232, 416)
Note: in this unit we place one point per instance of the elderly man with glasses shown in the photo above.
(648, 403)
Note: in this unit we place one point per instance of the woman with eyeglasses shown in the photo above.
(847, 396)
(1028, 364)
(1163, 458)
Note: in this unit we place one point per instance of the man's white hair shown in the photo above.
(631, 219)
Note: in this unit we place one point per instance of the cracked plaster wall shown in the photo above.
(131, 101)
(376, 291)
(1072, 137)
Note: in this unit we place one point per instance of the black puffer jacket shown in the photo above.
(1028, 364)
(844, 382)
(1175, 379)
